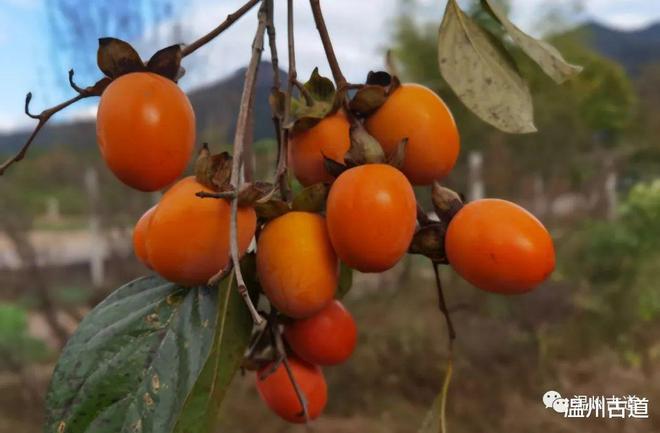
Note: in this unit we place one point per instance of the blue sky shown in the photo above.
(26, 65)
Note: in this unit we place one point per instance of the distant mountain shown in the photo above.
(216, 108)
(632, 49)
(216, 105)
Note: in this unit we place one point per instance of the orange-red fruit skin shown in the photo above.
(296, 265)
(140, 236)
(417, 113)
(188, 238)
(280, 396)
(326, 338)
(371, 213)
(145, 128)
(329, 137)
(499, 247)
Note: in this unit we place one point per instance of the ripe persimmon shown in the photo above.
(277, 390)
(326, 338)
(500, 247)
(140, 236)
(188, 238)
(296, 265)
(415, 112)
(145, 128)
(371, 212)
(329, 137)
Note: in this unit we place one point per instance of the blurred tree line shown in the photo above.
(601, 125)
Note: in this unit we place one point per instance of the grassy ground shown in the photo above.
(502, 368)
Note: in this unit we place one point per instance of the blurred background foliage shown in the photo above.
(591, 174)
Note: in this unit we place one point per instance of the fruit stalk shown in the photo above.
(281, 353)
(443, 305)
(231, 19)
(337, 74)
(242, 124)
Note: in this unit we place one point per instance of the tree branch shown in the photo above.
(247, 104)
(42, 117)
(231, 18)
(340, 80)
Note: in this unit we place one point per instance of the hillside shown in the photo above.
(216, 105)
(632, 49)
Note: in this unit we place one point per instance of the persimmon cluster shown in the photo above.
(366, 152)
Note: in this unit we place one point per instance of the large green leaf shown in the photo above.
(544, 54)
(137, 357)
(481, 73)
(231, 339)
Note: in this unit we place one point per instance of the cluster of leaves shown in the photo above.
(619, 292)
(16, 346)
(484, 75)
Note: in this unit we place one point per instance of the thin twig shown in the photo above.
(450, 355)
(45, 115)
(443, 305)
(223, 194)
(272, 43)
(278, 117)
(292, 77)
(231, 18)
(281, 352)
(340, 80)
(222, 273)
(43, 118)
(247, 104)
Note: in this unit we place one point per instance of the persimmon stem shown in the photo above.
(282, 355)
(231, 19)
(42, 117)
(340, 80)
(442, 303)
(450, 356)
(242, 124)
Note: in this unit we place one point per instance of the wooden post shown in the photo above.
(476, 188)
(97, 246)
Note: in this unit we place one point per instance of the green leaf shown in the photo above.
(230, 341)
(345, 280)
(134, 360)
(544, 54)
(480, 71)
(311, 199)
